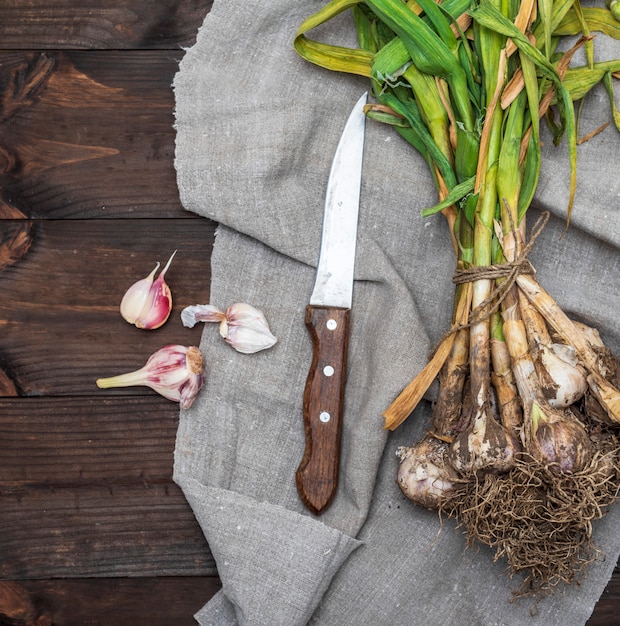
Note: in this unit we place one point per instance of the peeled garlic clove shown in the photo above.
(175, 372)
(148, 302)
(424, 475)
(246, 329)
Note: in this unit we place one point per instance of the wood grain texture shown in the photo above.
(88, 135)
(165, 601)
(86, 491)
(606, 611)
(17, 606)
(317, 475)
(88, 205)
(51, 442)
(101, 531)
(101, 24)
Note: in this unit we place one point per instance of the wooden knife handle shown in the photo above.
(317, 475)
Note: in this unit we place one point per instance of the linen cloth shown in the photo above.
(257, 128)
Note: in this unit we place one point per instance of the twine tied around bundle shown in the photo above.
(509, 271)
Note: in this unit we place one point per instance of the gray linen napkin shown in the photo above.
(257, 128)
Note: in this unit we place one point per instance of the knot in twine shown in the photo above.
(509, 271)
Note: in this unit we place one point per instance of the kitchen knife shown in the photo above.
(327, 320)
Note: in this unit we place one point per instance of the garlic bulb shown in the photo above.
(175, 372)
(424, 475)
(559, 439)
(485, 445)
(148, 302)
(563, 381)
(243, 326)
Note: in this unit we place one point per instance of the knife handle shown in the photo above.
(317, 475)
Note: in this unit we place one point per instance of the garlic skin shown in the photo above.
(193, 314)
(175, 372)
(243, 326)
(148, 302)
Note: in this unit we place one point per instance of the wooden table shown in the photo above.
(92, 528)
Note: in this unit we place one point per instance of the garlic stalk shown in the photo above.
(148, 302)
(243, 326)
(595, 363)
(175, 372)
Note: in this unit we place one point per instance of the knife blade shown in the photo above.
(327, 320)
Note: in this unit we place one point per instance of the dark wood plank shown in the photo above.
(85, 474)
(101, 24)
(101, 531)
(74, 442)
(60, 304)
(86, 490)
(88, 135)
(110, 602)
(606, 611)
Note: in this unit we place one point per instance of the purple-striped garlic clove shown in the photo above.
(148, 302)
(175, 372)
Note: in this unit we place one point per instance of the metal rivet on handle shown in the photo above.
(331, 324)
(325, 417)
(328, 370)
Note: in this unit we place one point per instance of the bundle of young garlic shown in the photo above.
(523, 447)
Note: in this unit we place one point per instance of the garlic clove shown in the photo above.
(135, 297)
(246, 329)
(147, 303)
(243, 326)
(175, 372)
